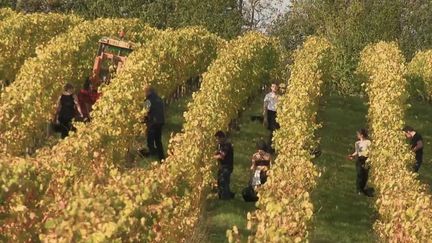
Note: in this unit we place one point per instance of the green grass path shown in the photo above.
(173, 124)
(340, 214)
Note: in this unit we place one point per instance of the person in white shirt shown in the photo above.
(361, 153)
(269, 110)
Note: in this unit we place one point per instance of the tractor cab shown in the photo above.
(111, 56)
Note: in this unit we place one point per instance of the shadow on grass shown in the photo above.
(340, 214)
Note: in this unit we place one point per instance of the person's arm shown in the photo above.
(148, 117)
(266, 102)
(418, 146)
(253, 163)
(78, 107)
(222, 152)
(220, 155)
(351, 156)
(58, 110)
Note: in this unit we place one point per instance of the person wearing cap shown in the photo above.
(269, 111)
(225, 156)
(155, 121)
(416, 145)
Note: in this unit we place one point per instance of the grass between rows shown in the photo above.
(340, 214)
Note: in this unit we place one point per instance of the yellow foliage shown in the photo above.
(6, 13)
(166, 62)
(28, 104)
(21, 34)
(421, 66)
(403, 205)
(171, 212)
(284, 206)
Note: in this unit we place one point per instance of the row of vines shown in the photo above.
(420, 74)
(24, 35)
(155, 207)
(404, 205)
(81, 188)
(284, 201)
(90, 157)
(28, 104)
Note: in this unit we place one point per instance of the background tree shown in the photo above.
(258, 14)
(351, 25)
(219, 16)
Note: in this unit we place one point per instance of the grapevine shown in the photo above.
(22, 33)
(27, 105)
(404, 207)
(421, 67)
(284, 201)
(6, 13)
(22, 187)
(238, 73)
(185, 54)
(157, 198)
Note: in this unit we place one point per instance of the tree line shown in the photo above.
(351, 25)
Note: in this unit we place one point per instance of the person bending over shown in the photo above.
(416, 145)
(225, 156)
(261, 162)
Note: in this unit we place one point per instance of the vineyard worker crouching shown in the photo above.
(362, 153)
(261, 162)
(269, 111)
(225, 156)
(67, 105)
(155, 121)
(416, 145)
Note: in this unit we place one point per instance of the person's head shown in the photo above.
(68, 88)
(220, 136)
(261, 145)
(362, 134)
(274, 87)
(148, 90)
(409, 132)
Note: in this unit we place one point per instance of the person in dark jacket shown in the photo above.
(67, 105)
(155, 121)
(225, 156)
(416, 145)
